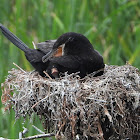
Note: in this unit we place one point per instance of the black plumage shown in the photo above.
(78, 55)
(71, 52)
(34, 56)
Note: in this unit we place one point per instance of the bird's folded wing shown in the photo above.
(71, 62)
(46, 46)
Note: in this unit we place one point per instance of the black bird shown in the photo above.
(72, 52)
(75, 53)
(34, 56)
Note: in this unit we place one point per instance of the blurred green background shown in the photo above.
(112, 26)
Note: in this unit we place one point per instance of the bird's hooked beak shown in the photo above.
(54, 53)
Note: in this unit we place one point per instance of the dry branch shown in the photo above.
(33, 137)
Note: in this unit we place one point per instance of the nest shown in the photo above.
(103, 107)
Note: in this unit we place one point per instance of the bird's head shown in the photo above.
(68, 43)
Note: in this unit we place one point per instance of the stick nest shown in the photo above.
(103, 107)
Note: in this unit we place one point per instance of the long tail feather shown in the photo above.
(14, 39)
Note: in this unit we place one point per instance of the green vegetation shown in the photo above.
(112, 26)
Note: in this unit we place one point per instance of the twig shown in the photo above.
(33, 137)
(77, 137)
(40, 131)
(100, 131)
(47, 75)
(19, 67)
(120, 108)
(39, 136)
(34, 44)
(107, 114)
(21, 134)
(39, 102)
(95, 72)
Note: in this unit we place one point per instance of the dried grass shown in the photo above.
(104, 107)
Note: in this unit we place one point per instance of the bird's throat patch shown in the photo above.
(59, 52)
